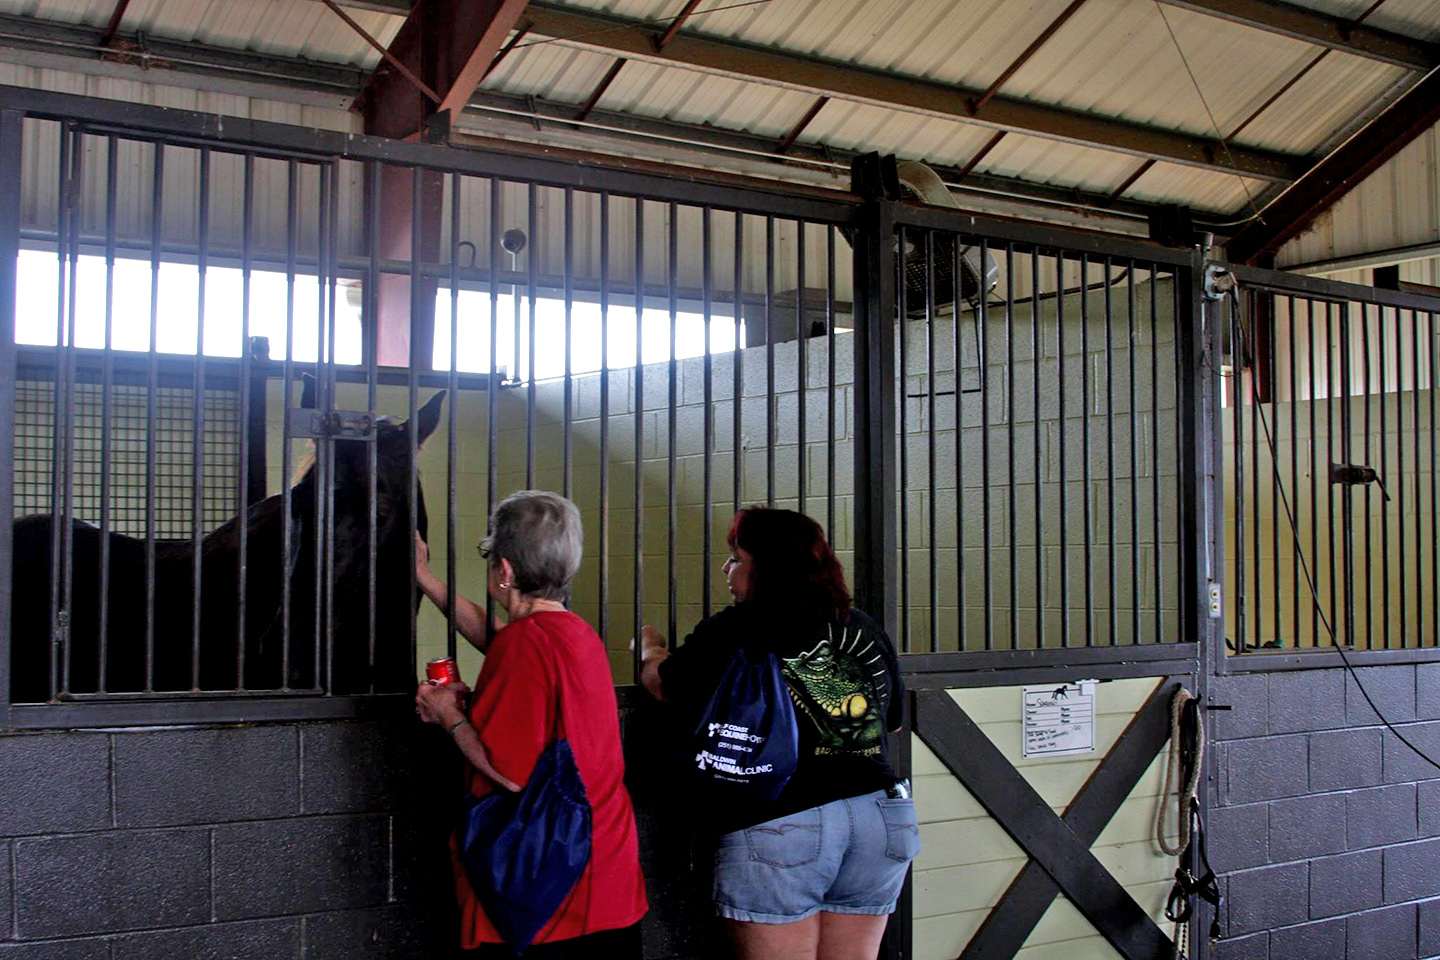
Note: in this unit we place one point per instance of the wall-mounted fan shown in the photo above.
(977, 279)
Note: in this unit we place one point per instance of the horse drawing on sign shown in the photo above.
(278, 652)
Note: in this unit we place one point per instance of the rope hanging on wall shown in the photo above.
(1183, 765)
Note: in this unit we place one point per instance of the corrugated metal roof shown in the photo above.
(290, 28)
(1114, 58)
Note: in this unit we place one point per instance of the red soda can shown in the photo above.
(442, 671)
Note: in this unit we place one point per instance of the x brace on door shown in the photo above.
(1058, 847)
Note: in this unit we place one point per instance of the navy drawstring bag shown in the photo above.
(525, 852)
(746, 744)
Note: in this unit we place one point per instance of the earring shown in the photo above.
(504, 584)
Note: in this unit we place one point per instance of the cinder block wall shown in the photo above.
(321, 841)
(1324, 827)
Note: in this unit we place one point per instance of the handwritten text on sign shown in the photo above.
(1059, 719)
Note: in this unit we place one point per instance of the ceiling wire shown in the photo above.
(1259, 214)
(630, 25)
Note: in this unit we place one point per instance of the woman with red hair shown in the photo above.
(815, 872)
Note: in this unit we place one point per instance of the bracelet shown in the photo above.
(457, 725)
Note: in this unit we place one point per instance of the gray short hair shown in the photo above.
(541, 535)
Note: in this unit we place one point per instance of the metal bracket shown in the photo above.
(1219, 281)
(338, 424)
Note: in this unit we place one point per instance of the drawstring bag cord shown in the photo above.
(1187, 753)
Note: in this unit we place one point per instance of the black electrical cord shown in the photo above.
(1300, 554)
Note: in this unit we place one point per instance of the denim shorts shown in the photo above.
(847, 856)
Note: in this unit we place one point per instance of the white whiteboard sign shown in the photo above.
(1059, 719)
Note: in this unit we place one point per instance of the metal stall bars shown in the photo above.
(269, 211)
(1332, 383)
(1026, 381)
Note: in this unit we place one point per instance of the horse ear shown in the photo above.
(307, 391)
(429, 417)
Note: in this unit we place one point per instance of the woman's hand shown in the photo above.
(443, 704)
(652, 642)
(653, 652)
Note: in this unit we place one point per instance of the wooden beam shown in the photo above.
(1030, 51)
(1416, 111)
(1311, 26)
(632, 39)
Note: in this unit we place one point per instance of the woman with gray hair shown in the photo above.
(543, 660)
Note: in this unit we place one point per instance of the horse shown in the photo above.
(279, 653)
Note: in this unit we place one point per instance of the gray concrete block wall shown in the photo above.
(1323, 829)
(264, 841)
(322, 841)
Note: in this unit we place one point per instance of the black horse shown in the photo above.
(266, 647)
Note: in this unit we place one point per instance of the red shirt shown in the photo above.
(514, 713)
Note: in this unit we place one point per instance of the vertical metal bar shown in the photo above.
(1274, 397)
(197, 407)
(1110, 436)
(12, 132)
(982, 339)
(604, 552)
(532, 221)
(1155, 449)
(802, 338)
(639, 375)
(957, 358)
(707, 520)
(324, 450)
(1085, 401)
(830, 383)
(671, 433)
(1064, 518)
(903, 378)
(1036, 345)
(1400, 460)
(247, 267)
(372, 379)
(492, 460)
(1134, 462)
(1314, 463)
(1331, 389)
(1256, 397)
(738, 389)
(1292, 353)
(1385, 468)
(874, 543)
(76, 199)
(934, 569)
(1369, 561)
(569, 389)
(152, 389)
(452, 427)
(106, 389)
(1415, 418)
(412, 480)
(1347, 508)
(292, 230)
(61, 395)
(769, 361)
(1239, 359)
(331, 284)
(1434, 490)
(1010, 439)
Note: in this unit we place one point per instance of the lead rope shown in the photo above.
(1187, 751)
(1172, 774)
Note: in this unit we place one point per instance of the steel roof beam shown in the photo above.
(449, 46)
(1292, 211)
(1311, 26)
(632, 39)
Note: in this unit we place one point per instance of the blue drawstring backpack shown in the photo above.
(525, 852)
(746, 744)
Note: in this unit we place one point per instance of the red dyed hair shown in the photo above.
(794, 567)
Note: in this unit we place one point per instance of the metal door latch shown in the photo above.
(1356, 475)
